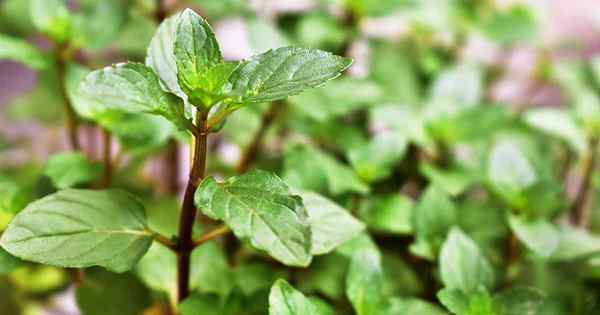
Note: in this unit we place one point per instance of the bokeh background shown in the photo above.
(431, 57)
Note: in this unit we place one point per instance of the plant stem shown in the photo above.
(188, 209)
(172, 163)
(62, 56)
(252, 151)
(106, 157)
(223, 229)
(579, 215)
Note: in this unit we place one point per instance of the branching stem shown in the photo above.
(62, 56)
(223, 229)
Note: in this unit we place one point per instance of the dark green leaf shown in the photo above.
(260, 207)
(8, 262)
(104, 293)
(388, 213)
(103, 228)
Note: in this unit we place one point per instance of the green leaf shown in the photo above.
(52, 18)
(13, 197)
(516, 24)
(21, 51)
(475, 303)
(283, 72)
(97, 23)
(326, 276)
(103, 228)
(540, 236)
(509, 169)
(520, 301)
(71, 169)
(433, 217)
(462, 264)
(134, 88)
(406, 306)
(251, 278)
(209, 270)
(285, 300)
(8, 262)
(260, 207)
(161, 57)
(454, 180)
(309, 168)
(104, 292)
(378, 158)
(195, 49)
(364, 282)
(330, 224)
(460, 86)
(560, 124)
(200, 304)
(388, 213)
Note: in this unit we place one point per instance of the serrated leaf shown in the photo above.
(330, 224)
(161, 58)
(103, 228)
(195, 50)
(283, 72)
(123, 294)
(134, 88)
(462, 264)
(260, 207)
(70, 169)
(285, 300)
(21, 51)
(388, 213)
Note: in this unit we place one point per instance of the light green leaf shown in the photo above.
(161, 57)
(309, 168)
(575, 244)
(264, 34)
(377, 159)
(388, 213)
(103, 228)
(330, 224)
(97, 23)
(454, 180)
(462, 264)
(126, 294)
(433, 217)
(540, 236)
(475, 303)
(195, 50)
(285, 300)
(283, 72)
(322, 307)
(260, 207)
(364, 282)
(560, 124)
(21, 51)
(516, 24)
(509, 168)
(13, 197)
(407, 306)
(8, 262)
(70, 169)
(52, 18)
(134, 88)
(460, 86)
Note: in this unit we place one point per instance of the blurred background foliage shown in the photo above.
(477, 114)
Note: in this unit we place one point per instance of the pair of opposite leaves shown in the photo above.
(185, 69)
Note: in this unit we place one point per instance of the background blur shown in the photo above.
(430, 60)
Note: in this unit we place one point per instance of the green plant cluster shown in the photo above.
(403, 191)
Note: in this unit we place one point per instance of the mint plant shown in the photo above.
(187, 82)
